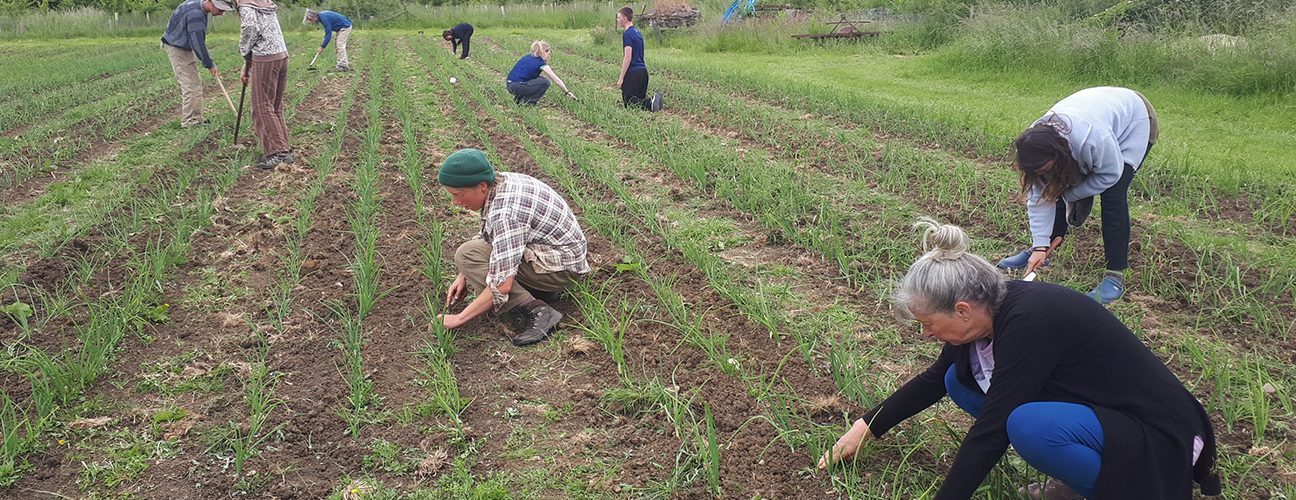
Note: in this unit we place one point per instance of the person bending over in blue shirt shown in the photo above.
(530, 77)
(1090, 143)
(633, 80)
(332, 22)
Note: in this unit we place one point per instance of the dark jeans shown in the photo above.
(530, 91)
(1115, 220)
(634, 89)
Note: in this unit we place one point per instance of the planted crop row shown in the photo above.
(365, 267)
(438, 378)
(77, 66)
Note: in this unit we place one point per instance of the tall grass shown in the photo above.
(1001, 37)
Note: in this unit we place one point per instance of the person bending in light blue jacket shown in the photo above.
(1089, 144)
(332, 22)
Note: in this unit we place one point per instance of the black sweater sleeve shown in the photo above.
(914, 396)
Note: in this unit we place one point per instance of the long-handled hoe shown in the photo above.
(238, 120)
(226, 92)
(312, 67)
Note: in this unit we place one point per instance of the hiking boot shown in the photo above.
(268, 162)
(342, 69)
(202, 123)
(1111, 287)
(1077, 212)
(1020, 260)
(655, 104)
(1048, 490)
(541, 319)
(286, 157)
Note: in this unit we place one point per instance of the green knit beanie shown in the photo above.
(466, 168)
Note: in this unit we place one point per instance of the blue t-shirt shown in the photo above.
(332, 21)
(631, 38)
(187, 29)
(527, 68)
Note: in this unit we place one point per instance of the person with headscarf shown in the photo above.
(265, 65)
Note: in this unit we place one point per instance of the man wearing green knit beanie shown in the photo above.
(530, 248)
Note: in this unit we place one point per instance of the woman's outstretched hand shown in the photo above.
(847, 445)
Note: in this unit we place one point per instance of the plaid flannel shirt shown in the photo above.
(526, 219)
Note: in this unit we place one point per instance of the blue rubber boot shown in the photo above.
(1111, 288)
(1019, 261)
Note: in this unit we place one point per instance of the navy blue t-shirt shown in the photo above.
(631, 38)
(527, 68)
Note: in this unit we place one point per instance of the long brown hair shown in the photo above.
(1039, 145)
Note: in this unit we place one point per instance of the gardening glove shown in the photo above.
(1077, 212)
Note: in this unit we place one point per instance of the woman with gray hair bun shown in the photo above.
(1049, 371)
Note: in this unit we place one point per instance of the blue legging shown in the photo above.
(1063, 440)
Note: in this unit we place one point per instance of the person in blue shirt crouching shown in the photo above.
(531, 76)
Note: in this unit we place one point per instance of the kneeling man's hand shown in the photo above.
(452, 321)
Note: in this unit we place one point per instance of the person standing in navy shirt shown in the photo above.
(633, 80)
(331, 22)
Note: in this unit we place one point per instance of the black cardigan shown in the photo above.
(1052, 343)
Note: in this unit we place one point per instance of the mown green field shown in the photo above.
(200, 329)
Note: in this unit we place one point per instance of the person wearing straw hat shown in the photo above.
(332, 22)
(529, 250)
(185, 42)
(265, 65)
(1048, 371)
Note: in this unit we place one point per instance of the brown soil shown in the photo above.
(242, 246)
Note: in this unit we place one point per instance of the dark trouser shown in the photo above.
(530, 91)
(268, 81)
(467, 37)
(1115, 220)
(1063, 440)
(634, 89)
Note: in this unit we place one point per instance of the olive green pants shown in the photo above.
(473, 260)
